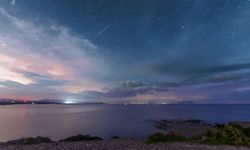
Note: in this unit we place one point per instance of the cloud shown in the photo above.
(243, 89)
(130, 83)
(43, 58)
(154, 91)
(129, 89)
(224, 78)
(78, 86)
(224, 68)
(191, 70)
(32, 53)
(8, 75)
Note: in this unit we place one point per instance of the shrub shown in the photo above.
(247, 132)
(220, 135)
(96, 138)
(228, 134)
(115, 137)
(234, 135)
(219, 126)
(31, 140)
(80, 138)
(161, 137)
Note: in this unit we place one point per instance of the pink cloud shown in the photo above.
(50, 51)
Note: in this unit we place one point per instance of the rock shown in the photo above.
(187, 128)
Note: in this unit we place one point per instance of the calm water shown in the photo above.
(59, 121)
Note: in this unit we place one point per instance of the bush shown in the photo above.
(228, 134)
(80, 138)
(247, 132)
(115, 137)
(31, 140)
(161, 137)
(219, 126)
(96, 138)
(220, 135)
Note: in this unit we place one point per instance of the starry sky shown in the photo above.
(119, 51)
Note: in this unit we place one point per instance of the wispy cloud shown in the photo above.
(243, 89)
(50, 51)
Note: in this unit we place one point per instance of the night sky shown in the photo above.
(119, 51)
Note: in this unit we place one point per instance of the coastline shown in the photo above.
(175, 135)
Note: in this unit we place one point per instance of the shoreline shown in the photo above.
(175, 134)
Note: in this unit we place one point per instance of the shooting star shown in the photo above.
(103, 30)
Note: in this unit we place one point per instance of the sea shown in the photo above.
(106, 121)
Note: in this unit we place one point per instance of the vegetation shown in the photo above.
(115, 137)
(80, 138)
(39, 139)
(31, 140)
(161, 137)
(221, 135)
(228, 134)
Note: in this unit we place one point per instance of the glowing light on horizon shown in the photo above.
(69, 102)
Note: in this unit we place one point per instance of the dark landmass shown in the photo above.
(81, 138)
(29, 141)
(47, 101)
(4, 101)
(185, 102)
(16, 101)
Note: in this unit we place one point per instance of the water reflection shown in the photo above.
(59, 121)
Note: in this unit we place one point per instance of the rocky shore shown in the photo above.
(174, 135)
(187, 128)
(118, 144)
